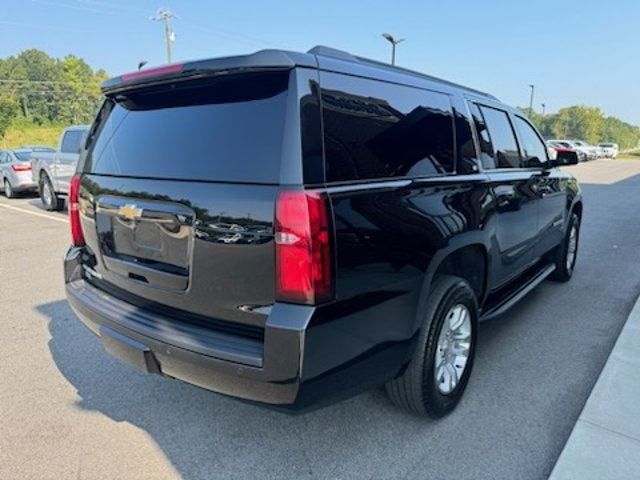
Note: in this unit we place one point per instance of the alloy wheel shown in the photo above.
(454, 347)
(572, 247)
(46, 193)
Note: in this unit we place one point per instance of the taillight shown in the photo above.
(304, 272)
(77, 237)
(20, 168)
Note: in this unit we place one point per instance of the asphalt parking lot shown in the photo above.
(67, 409)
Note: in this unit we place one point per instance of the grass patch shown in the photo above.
(23, 133)
(631, 155)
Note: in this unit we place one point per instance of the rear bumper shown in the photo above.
(22, 183)
(288, 370)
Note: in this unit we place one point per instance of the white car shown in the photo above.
(590, 150)
(610, 150)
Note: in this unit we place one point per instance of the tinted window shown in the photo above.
(466, 148)
(379, 130)
(227, 129)
(533, 148)
(23, 155)
(71, 141)
(486, 149)
(504, 143)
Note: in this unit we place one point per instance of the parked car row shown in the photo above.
(582, 149)
(42, 169)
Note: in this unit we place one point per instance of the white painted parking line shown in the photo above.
(37, 214)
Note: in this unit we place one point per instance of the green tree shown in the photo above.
(586, 123)
(84, 90)
(8, 112)
(578, 121)
(51, 90)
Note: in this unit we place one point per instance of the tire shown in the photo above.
(417, 389)
(48, 196)
(8, 191)
(565, 262)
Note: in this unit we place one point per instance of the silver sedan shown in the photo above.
(15, 172)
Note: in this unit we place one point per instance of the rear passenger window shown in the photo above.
(535, 152)
(376, 130)
(503, 140)
(486, 150)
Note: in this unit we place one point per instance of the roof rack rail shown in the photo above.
(342, 55)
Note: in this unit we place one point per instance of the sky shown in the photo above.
(574, 52)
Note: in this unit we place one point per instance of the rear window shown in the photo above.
(225, 129)
(71, 141)
(23, 155)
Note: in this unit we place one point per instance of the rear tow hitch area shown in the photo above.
(129, 351)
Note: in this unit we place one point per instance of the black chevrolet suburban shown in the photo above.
(292, 229)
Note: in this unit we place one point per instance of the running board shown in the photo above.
(519, 295)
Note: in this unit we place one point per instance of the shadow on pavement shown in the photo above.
(204, 434)
(37, 203)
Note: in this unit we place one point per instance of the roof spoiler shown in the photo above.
(259, 61)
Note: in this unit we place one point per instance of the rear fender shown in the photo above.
(476, 238)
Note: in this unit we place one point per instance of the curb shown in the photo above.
(605, 441)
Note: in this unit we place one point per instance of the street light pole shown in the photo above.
(533, 89)
(393, 42)
(544, 108)
(165, 15)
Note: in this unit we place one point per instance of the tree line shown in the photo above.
(42, 90)
(581, 122)
(39, 89)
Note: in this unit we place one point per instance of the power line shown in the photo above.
(45, 26)
(113, 5)
(75, 7)
(26, 80)
(229, 34)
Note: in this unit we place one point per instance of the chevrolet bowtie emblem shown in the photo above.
(130, 212)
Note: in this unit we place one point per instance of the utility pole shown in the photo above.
(544, 107)
(25, 106)
(165, 15)
(393, 42)
(533, 89)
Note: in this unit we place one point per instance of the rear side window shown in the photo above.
(71, 141)
(377, 130)
(486, 149)
(223, 129)
(534, 150)
(503, 140)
